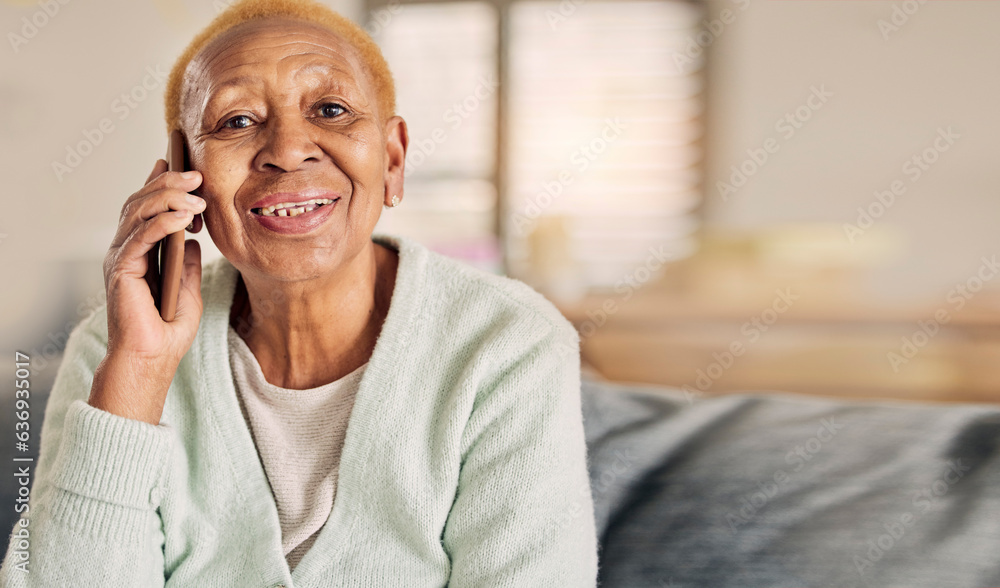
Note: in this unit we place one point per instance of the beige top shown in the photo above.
(299, 435)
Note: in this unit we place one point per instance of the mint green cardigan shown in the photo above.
(464, 462)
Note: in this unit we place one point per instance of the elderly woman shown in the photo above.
(328, 407)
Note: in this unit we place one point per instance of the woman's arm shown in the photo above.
(92, 518)
(523, 514)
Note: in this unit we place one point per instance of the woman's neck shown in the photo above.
(306, 334)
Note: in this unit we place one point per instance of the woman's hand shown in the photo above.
(144, 350)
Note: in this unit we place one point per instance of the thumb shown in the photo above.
(158, 168)
(189, 305)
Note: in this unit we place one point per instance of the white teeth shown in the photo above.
(294, 208)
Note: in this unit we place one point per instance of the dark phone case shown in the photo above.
(171, 259)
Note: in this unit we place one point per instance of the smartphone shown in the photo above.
(171, 258)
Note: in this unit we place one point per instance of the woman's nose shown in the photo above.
(289, 145)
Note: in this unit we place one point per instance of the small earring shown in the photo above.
(394, 202)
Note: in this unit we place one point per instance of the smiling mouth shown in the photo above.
(293, 208)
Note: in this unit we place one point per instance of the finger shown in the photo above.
(192, 265)
(166, 200)
(158, 168)
(179, 181)
(189, 303)
(153, 270)
(133, 253)
(184, 181)
(168, 191)
(196, 224)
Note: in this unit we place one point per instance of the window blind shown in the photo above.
(603, 114)
(604, 150)
(444, 60)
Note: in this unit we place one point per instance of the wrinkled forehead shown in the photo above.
(246, 53)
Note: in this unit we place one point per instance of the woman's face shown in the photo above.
(280, 112)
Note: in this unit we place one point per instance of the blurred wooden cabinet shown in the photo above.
(714, 327)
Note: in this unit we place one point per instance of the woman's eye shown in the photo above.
(238, 122)
(331, 110)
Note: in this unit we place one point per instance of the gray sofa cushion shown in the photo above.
(784, 490)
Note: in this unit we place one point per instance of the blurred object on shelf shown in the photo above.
(749, 313)
(553, 270)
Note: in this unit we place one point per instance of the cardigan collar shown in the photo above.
(253, 501)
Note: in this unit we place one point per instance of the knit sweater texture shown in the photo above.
(299, 435)
(464, 461)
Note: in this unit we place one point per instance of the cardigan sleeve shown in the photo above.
(92, 515)
(523, 512)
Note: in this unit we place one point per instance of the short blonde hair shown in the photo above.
(305, 10)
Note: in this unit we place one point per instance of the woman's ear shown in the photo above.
(196, 224)
(396, 142)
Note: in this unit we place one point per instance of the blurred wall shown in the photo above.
(895, 73)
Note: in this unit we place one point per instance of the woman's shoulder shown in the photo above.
(93, 326)
(460, 294)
